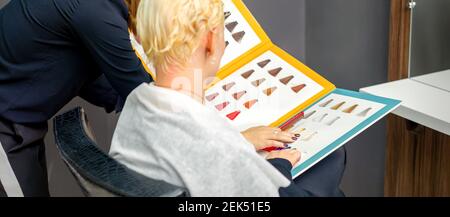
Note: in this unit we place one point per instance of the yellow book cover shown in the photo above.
(260, 84)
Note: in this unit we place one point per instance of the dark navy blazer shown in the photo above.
(54, 50)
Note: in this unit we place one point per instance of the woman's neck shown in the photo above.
(188, 81)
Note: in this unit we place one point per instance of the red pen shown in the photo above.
(292, 121)
(288, 124)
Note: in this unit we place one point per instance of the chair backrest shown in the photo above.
(96, 172)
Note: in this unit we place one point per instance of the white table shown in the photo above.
(425, 99)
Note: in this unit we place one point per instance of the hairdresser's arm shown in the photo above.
(101, 93)
(103, 30)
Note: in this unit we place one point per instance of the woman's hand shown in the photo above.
(266, 137)
(292, 155)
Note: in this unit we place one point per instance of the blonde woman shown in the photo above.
(165, 132)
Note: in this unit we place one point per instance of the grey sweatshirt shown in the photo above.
(169, 136)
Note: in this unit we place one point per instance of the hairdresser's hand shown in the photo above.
(292, 155)
(266, 137)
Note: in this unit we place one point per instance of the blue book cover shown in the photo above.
(334, 120)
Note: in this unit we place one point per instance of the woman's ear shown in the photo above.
(214, 49)
(210, 42)
(215, 43)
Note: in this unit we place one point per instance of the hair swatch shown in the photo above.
(309, 115)
(275, 72)
(286, 80)
(351, 109)
(222, 106)
(212, 97)
(231, 26)
(239, 36)
(250, 103)
(320, 118)
(333, 121)
(247, 74)
(228, 86)
(232, 116)
(298, 130)
(325, 104)
(258, 82)
(365, 112)
(298, 88)
(227, 14)
(269, 91)
(309, 137)
(239, 95)
(337, 106)
(264, 63)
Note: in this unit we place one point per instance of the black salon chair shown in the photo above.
(98, 174)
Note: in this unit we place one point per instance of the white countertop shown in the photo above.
(439, 80)
(425, 99)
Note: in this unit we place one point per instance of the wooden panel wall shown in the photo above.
(417, 158)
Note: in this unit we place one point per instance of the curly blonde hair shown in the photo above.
(171, 30)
